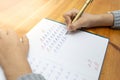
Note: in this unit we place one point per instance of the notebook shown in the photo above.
(60, 56)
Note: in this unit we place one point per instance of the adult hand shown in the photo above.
(13, 54)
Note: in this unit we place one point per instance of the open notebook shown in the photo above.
(60, 56)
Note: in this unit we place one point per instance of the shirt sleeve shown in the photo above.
(116, 15)
(31, 76)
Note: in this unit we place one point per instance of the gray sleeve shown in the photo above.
(116, 15)
(31, 77)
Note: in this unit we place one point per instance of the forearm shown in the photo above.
(111, 19)
(14, 70)
(103, 20)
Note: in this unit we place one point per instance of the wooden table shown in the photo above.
(22, 15)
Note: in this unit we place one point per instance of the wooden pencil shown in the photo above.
(82, 10)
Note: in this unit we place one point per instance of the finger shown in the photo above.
(12, 33)
(71, 27)
(77, 25)
(70, 15)
(25, 42)
(67, 19)
(74, 13)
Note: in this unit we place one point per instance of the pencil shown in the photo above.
(81, 11)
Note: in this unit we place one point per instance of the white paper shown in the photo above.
(60, 56)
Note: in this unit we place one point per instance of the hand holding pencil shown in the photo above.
(74, 15)
(76, 19)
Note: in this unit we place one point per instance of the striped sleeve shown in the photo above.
(31, 77)
(116, 15)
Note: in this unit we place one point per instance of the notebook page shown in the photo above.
(57, 56)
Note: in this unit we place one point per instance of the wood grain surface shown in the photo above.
(23, 15)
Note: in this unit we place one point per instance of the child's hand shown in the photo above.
(13, 54)
(87, 20)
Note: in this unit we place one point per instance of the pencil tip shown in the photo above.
(67, 32)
